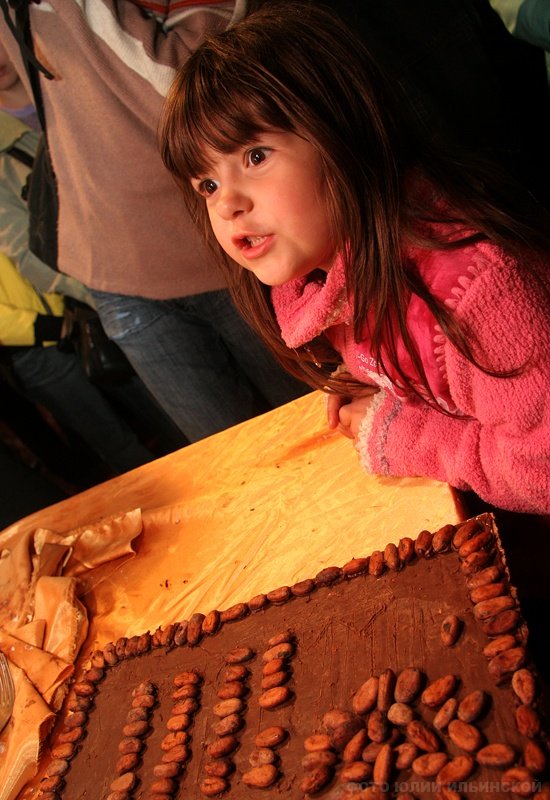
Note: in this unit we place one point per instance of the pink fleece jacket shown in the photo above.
(495, 438)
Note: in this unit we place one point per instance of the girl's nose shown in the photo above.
(232, 202)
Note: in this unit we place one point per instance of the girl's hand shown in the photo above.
(346, 413)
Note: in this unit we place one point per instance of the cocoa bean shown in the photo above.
(120, 647)
(408, 684)
(126, 763)
(446, 793)
(377, 726)
(370, 752)
(166, 639)
(487, 592)
(443, 538)
(94, 675)
(520, 781)
(178, 754)
(534, 757)
(476, 561)
(262, 756)
(137, 715)
(382, 766)
(223, 746)
(283, 650)
(376, 563)
(315, 780)
(464, 735)
(180, 636)
(109, 654)
(472, 706)
(406, 550)
(275, 665)
(236, 672)
(456, 770)
(422, 736)
(465, 532)
(451, 628)
(483, 577)
(270, 737)
(78, 703)
(220, 768)
(130, 745)
(523, 684)
(405, 755)
(194, 629)
(343, 733)
(357, 566)
(143, 701)
(510, 660)
(258, 602)
(211, 622)
(235, 612)
(139, 728)
(317, 741)
(167, 770)
(65, 750)
(320, 758)
(60, 766)
(279, 638)
(437, 692)
(445, 714)
(280, 595)
(179, 723)
(386, 688)
(144, 643)
(391, 556)
(272, 698)
(73, 735)
(496, 755)
(239, 655)
(124, 783)
(423, 545)
(355, 772)
(275, 679)
(174, 739)
(303, 588)
(429, 764)
(227, 707)
(480, 541)
(187, 706)
(366, 697)
(75, 720)
(84, 689)
(228, 725)
(328, 575)
(504, 622)
(354, 748)
(231, 689)
(494, 606)
(211, 786)
(400, 714)
(527, 721)
(55, 783)
(335, 717)
(499, 645)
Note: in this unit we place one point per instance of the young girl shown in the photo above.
(411, 286)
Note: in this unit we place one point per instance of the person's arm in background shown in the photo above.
(14, 232)
(533, 23)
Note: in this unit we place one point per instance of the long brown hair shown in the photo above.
(297, 68)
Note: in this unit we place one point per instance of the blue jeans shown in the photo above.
(57, 380)
(204, 365)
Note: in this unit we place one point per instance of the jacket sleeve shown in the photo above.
(500, 447)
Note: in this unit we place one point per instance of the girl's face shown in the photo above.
(267, 207)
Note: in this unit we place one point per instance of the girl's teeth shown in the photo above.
(254, 240)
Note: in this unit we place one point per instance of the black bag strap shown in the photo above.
(20, 155)
(21, 30)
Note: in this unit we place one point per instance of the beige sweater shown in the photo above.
(123, 226)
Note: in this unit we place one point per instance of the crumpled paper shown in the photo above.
(43, 624)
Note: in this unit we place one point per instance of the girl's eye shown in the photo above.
(257, 155)
(207, 187)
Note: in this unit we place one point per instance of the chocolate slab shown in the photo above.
(295, 668)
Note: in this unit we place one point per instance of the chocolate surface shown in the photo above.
(341, 634)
